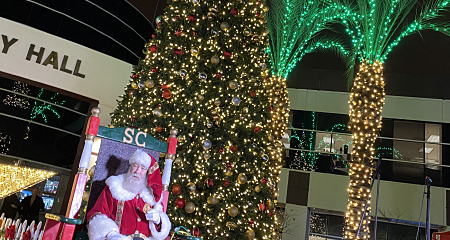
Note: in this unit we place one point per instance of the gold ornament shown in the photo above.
(212, 200)
(134, 85)
(190, 207)
(161, 155)
(228, 173)
(247, 32)
(191, 187)
(201, 97)
(86, 196)
(207, 156)
(178, 161)
(242, 179)
(91, 171)
(224, 26)
(149, 83)
(257, 189)
(217, 102)
(215, 59)
(233, 84)
(270, 204)
(250, 234)
(213, 112)
(231, 225)
(233, 211)
(194, 51)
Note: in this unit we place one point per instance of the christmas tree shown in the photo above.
(205, 74)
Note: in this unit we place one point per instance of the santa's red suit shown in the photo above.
(119, 210)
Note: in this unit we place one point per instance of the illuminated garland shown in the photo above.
(40, 107)
(17, 100)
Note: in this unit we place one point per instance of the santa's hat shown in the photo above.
(141, 157)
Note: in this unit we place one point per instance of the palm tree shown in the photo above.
(376, 27)
(294, 30)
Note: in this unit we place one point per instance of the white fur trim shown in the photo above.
(99, 226)
(166, 225)
(141, 157)
(115, 184)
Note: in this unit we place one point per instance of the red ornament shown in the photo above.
(191, 18)
(134, 76)
(227, 54)
(153, 35)
(258, 15)
(270, 214)
(209, 182)
(265, 79)
(158, 129)
(226, 183)
(178, 32)
(143, 72)
(195, 33)
(133, 118)
(228, 165)
(259, 2)
(221, 150)
(196, 232)
(159, 24)
(166, 93)
(154, 70)
(234, 11)
(178, 52)
(262, 207)
(271, 107)
(234, 148)
(264, 181)
(153, 48)
(251, 222)
(159, 105)
(218, 75)
(130, 92)
(177, 17)
(180, 202)
(252, 94)
(165, 86)
(176, 189)
(257, 129)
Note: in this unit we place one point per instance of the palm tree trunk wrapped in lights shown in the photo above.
(375, 28)
(366, 103)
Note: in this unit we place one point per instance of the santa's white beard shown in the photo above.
(133, 184)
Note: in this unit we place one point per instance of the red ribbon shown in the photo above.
(10, 232)
(26, 235)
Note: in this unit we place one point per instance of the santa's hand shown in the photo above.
(153, 216)
(116, 236)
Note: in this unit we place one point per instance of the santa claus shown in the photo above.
(128, 207)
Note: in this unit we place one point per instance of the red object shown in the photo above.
(220, 150)
(442, 235)
(165, 86)
(159, 24)
(176, 189)
(195, 33)
(271, 107)
(262, 207)
(177, 17)
(26, 235)
(259, 2)
(226, 183)
(270, 214)
(158, 129)
(178, 32)
(209, 182)
(134, 76)
(130, 92)
(133, 118)
(228, 165)
(234, 148)
(153, 48)
(252, 94)
(154, 70)
(55, 230)
(143, 72)
(251, 222)
(234, 11)
(196, 232)
(166, 93)
(227, 54)
(257, 129)
(153, 35)
(10, 231)
(172, 145)
(265, 79)
(178, 52)
(264, 180)
(93, 124)
(258, 15)
(192, 18)
(159, 105)
(218, 75)
(154, 181)
(180, 202)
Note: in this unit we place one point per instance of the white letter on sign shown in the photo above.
(127, 134)
(136, 139)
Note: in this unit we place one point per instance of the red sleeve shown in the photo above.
(103, 205)
(154, 181)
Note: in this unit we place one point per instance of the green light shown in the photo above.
(40, 107)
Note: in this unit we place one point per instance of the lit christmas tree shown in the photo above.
(205, 74)
(16, 100)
